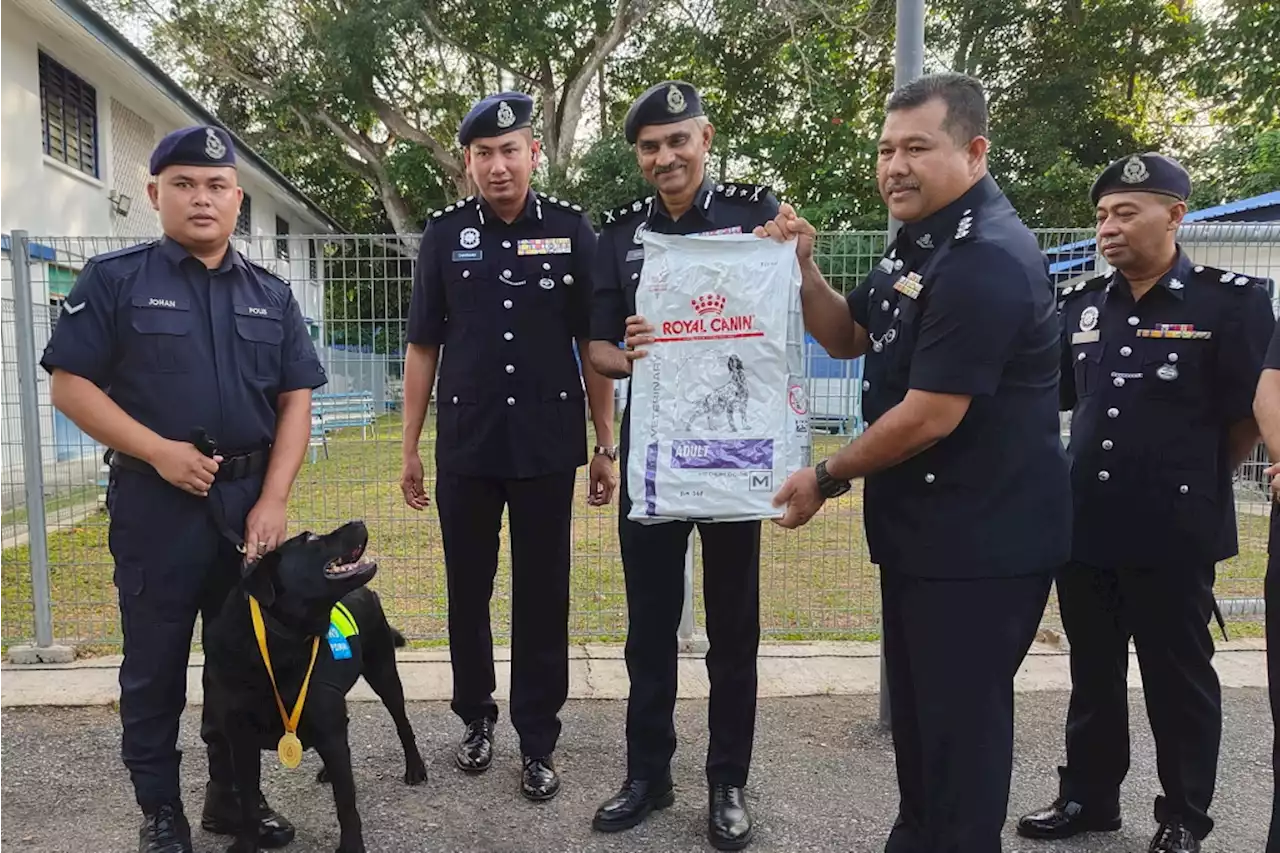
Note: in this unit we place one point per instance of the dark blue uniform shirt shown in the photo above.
(1153, 388)
(506, 302)
(717, 209)
(177, 345)
(962, 304)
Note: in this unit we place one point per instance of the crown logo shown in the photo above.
(708, 303)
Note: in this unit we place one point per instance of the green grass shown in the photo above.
(815, 583)
(78, 496)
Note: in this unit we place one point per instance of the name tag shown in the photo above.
(1085, 337)
(545, 246)
(473, 255)
(635, 255)
(885, 265)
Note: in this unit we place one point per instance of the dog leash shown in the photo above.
(289, 748)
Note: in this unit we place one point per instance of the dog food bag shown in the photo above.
(718, 411)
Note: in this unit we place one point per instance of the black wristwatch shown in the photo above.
(611, 452)
(828, 486)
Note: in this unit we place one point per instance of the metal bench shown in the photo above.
(338, 411)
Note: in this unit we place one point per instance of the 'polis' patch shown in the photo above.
(342, 626)
(545, 246)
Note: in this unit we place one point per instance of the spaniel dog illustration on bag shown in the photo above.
(730, 397)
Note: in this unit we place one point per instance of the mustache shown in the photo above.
(894, 186)
(662, 170)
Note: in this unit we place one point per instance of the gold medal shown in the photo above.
(290, 750)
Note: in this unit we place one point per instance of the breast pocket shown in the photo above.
(1086, 363)
(163, 326)
(1174, 369)
(899, 340)
(261, 333)
(460, 291)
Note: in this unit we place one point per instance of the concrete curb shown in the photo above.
(598, 671)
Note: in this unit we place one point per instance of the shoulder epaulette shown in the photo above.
(616, 216)
(452, 208)
(560, 202)
(127, 250)
(1237, 280)
(275, 276)
(746, 193)
(1096, 283)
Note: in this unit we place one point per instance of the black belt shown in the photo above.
(232, 467)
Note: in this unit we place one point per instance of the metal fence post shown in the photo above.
(908, 65)
(33, 471)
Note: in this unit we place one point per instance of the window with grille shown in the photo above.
(242, 221)
(313, 258)
(282, 239)
(68, 117)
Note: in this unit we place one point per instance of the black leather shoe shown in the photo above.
(728, 821)
(539, 781)
(1173, 837)
(164, 830)
(476, 750)
(1063, 819)
(632, 804)
(222, 816)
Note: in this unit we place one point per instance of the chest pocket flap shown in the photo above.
(259, 323)
(160, 315)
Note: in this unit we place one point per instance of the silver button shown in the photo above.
(564, 395)
(877, 346)
(506, 273)
(1113, 413)
(1183, 489)
(511, 401)
(511, 368)
(506, 244)
(1104, 476)
(508, 336)
(634, 276)
(871, 293)
(897, 265)
(929, 478)
(466, 273)
(1133, 321)
(895, 311)
(884, 306)
(455, 400)
(1173, 356)
(506, 303)
(1080, 357)
(1106, 444)
(866, 385)
(546, 266)
(1118, 381)
(568, 279)
(1126, 351)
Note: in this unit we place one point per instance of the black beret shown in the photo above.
(194, 146)
(1147, 173)
(496, 115)
(668, 102)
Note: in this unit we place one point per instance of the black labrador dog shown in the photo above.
(298, 587)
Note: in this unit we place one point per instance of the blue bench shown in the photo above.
(338, 411)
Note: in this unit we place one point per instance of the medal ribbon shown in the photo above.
(259, 631)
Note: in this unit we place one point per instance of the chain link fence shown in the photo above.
(354, 291)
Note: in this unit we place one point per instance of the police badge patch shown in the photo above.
(675, 100)
(469, 238)
(1135, 171)
(1088, 318)
(213, 147)
(506, 115)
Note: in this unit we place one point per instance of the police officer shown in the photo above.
(503, 283)
(160, 345)
(967, 495)
(1160, 359)
(672, 138)
(1266, 409)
